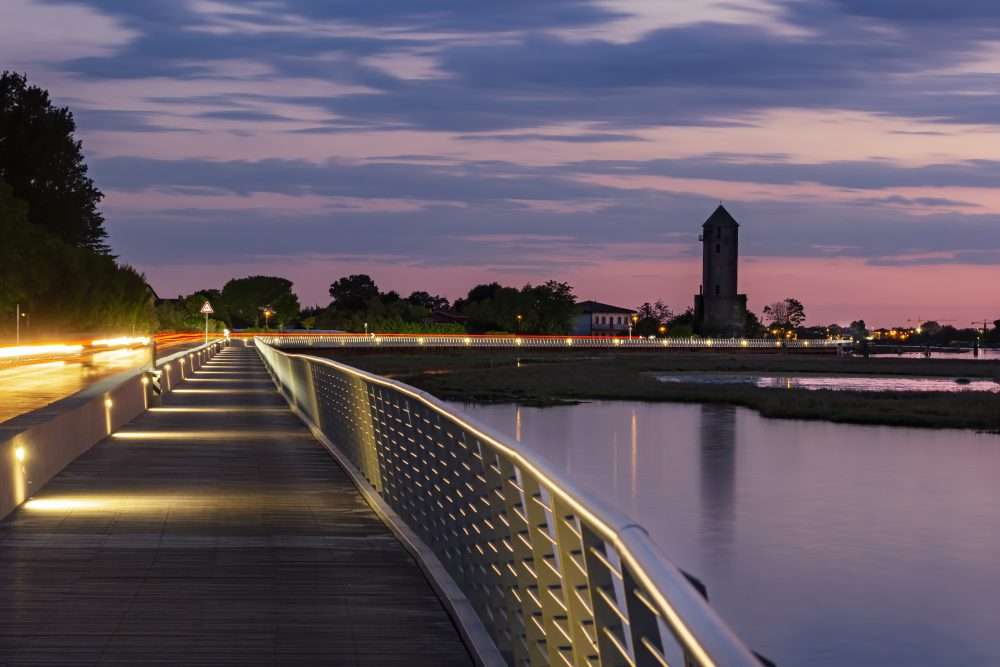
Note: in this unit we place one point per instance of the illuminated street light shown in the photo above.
(268, 312)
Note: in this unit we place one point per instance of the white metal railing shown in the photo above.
(555, 577)
(552, 342)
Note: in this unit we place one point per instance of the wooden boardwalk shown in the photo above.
(215, 530)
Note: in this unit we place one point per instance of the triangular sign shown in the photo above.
(207, 309)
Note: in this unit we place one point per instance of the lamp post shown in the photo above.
(267, 317)
(17, 319)
(631, 323)
(519, 318)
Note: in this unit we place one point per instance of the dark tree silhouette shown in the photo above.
(43, 163)
(352, 293)
(244, 297)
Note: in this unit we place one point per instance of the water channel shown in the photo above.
(821, 544)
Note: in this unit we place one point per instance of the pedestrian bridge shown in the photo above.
(269, 508)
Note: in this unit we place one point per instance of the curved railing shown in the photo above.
(511, 341)
(553, 575)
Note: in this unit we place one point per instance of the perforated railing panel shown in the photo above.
(554, 577)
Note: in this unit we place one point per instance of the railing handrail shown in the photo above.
(702, 631)
(513, 341)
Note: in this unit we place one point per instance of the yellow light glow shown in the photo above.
(60, 504)
(107, 403)
(37, 350)
(223, 391)
(20, 454)
(234, 409)
(145, 380)
(122, 341)
(223, 434)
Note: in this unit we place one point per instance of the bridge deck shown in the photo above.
(214, 531)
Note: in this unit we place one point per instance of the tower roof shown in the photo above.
(721, 218)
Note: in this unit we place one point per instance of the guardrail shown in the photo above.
(550, 342)
(553, 575)
(36, 446)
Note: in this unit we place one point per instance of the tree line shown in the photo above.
(54, 260)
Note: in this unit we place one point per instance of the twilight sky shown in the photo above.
(438, 143)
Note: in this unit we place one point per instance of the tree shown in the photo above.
(681, 326)
(428, 301)
(787, 313)
(43, 163)
(350, 294)
(546, 308)
(753, 328)
(65, 287)
(243, 298)
(552, 306)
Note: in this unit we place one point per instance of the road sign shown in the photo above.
(207, 309)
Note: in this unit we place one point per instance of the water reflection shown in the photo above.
(821, 544)
(718, 477)
(836, 383)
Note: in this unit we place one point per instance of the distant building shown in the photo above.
(719, 310)
(600, 319)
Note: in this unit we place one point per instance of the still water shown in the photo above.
(836, 383)
(821, 544)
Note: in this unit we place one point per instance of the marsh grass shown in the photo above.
(553, 378)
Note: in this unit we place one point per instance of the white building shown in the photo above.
(601, 319)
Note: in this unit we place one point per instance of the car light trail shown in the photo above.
(123, 341)
(22, 351)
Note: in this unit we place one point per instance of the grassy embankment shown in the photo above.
(552, 378)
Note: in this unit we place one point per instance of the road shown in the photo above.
(30, 382)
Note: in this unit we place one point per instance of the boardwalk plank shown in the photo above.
(224, 537)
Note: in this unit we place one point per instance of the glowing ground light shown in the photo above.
(569, 341)
(20, 454)
(60, 504)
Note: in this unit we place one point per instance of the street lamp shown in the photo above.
(18, 316)
(632, 321)
(267, 316)
(519, 318)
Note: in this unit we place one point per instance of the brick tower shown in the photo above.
(719, 310)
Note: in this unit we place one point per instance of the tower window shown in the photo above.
(718, 232)
(718, 248)
(716, 290)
